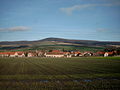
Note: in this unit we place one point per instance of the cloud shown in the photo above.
(69, 10)
(17, 28)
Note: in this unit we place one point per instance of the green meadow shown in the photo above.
(83, 73)
(54, 47)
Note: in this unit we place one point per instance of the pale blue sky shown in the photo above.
(71, 19)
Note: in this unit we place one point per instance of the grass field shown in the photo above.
(53, 47)
(85, 73)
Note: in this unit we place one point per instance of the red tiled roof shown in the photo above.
(20, 53)
(8, 53)
(32, 53)
(100, 52)
(52, 53)
(11, 53)
(66, 52)
(110, 53)
(77, 52)
(3, 52)
(56, 51)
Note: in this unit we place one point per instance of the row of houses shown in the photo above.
(20, 54)
(55, 53)
(106, 54)
(12, 54)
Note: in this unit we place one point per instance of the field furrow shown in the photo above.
(92, 73)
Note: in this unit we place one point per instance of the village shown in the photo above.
(57, 53)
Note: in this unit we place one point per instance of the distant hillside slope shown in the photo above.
(81, 42)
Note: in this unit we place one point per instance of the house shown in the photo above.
(55, 53)
(87, 54)
(100, 53)
(13, 54)
(106, 54)
(67, 54)
(20, 54)
(16, 54)
(117, 52)
(77, 53)
(32, 54)
(4, 54)
(7, 54)
(40, 53)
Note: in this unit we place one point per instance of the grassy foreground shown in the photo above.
(88, 73)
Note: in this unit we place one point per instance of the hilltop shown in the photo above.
(57, 43)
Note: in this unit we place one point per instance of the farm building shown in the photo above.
(32, 54)
(57, 53)
(54, 54)
(4, 54)
(20, 54)
(77, 53)
(40, 53)
(16, 54)
(12, 54)
(67, 54)
(109, 54)
(87, 54)
(100, 53)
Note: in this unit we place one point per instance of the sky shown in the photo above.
(71, 19)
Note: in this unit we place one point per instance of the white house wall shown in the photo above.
(54, 55)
